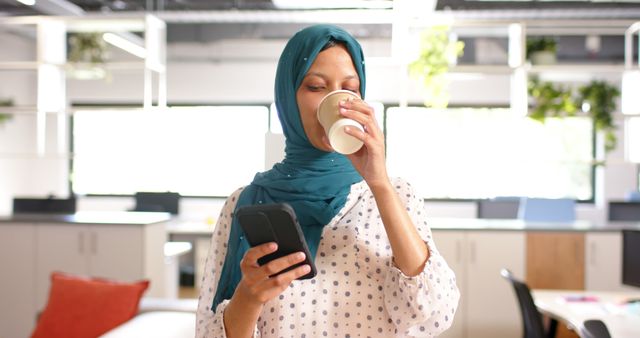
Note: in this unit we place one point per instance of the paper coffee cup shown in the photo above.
(334, 124)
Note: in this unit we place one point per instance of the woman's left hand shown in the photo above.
(369, 161)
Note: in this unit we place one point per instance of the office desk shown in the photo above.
(622, 320)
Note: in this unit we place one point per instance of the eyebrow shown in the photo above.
(349, 77)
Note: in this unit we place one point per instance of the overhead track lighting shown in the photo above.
(332, 4)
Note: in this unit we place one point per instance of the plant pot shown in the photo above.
(543, 57)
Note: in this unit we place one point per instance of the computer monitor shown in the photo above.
(158, 202)
(631, 257)
(624, 211)
(498, 208)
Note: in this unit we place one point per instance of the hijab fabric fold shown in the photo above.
(314, 182)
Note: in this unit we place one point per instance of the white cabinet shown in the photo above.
(121, 252)
(17, 281)
(202, 251)
(603, 261)
(122, 246)
(488, 305)
(450, 244)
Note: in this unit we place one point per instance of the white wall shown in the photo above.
(226, 72)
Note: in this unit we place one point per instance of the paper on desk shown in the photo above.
(593, 309)
(633, 309)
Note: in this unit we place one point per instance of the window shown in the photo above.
(196, 151)
(480, 153)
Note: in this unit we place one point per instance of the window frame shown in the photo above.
(386, 107)
(81, 106)
(593, 166)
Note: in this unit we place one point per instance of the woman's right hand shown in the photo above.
(256, 287)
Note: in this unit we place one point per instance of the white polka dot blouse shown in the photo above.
(358, 292)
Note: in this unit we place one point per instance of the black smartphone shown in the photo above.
(263, 223)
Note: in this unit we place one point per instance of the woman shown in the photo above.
(379, 273)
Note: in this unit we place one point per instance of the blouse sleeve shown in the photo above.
(423, 305)
(208, 323)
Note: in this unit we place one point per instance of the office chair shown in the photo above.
(594, 328)
(547, 210)
(531, 318)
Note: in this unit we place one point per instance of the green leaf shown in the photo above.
(436, 50)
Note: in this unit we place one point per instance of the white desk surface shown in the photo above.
(202, 228)
(622, 320)
(190, 228)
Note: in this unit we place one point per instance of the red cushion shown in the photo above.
(87, 307)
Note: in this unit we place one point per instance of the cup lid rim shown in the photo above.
(334, 92)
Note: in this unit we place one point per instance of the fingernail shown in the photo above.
(342, 110)
(273, 246)
(347, 129)
(300, 255)
(306, 268)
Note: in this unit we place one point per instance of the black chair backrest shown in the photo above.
(531, 319)
(158, 202)
(624, 211)
(594, 328)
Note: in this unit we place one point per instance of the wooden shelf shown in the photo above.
(560, 67)
(24, 110)
(590, 68)
(117, 65)
(33, 65)
(482, 69)
(19, 65)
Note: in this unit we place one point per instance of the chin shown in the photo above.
(321, 146)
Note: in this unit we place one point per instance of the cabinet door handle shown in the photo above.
(81, 242)
(94, 243)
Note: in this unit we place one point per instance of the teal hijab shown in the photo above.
(314, 182)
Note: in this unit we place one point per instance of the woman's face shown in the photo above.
(332, 70)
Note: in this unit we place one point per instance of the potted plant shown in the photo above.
(595, 100)
(541, 50)
(437, 52)
(550, 100)
(4, 117)
(598, 99)
(87, 55)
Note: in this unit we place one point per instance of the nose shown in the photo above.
(334, 86)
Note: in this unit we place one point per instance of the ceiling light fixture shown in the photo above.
(333, 4)
(27, 2)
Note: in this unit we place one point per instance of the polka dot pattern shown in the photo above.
(358, 291)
